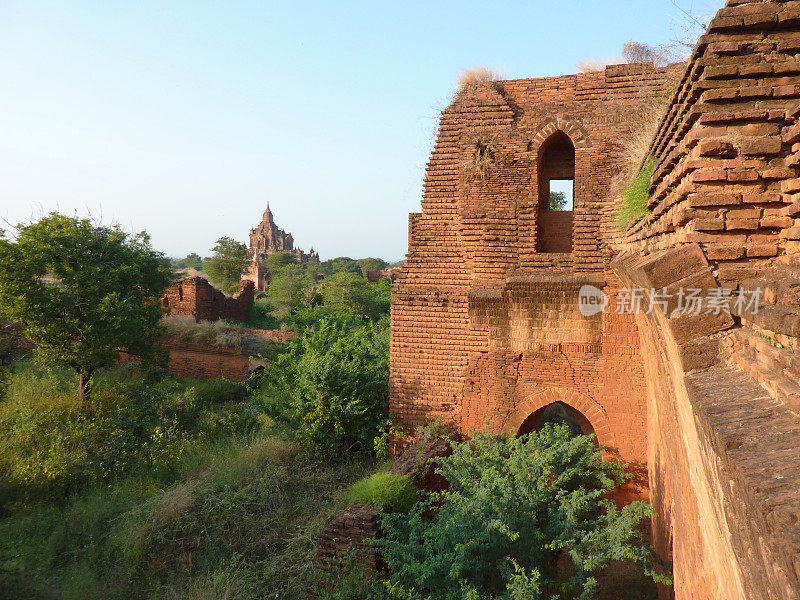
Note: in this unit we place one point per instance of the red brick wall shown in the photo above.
(723, 453)
(196, 297)
(485, 326)
(202, 362)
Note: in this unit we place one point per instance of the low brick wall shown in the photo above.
(201, 362)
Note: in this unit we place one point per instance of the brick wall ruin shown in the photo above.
(486, 330)
(207, 361)
(485, 323)
(196, 297)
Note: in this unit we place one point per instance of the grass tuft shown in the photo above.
(390, 491)
(636, 196)
(476, 76)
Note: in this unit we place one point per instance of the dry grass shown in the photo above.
(213, 333)
(475, 76)
(595, 65)
(477, 163)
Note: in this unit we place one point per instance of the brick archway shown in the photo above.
(580, 139)
(593, 412)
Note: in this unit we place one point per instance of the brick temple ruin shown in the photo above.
(196, 297)
(266, 239)
(486, 327)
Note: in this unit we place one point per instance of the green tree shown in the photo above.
(286, 291)
(523, 517)
(225, 268)
(278, 260)
(557, 201)
(83, 293)
(334, 378)
(371, 264)
(348, 293)
(192, 261)
(341, 263)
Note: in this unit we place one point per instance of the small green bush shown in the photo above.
(636, 196)
(392, 492)
(259, 315)
(220, 390)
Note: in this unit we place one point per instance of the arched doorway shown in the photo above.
(557, 413)
(588, 414)
(556, 183)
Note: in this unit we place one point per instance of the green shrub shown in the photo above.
(259, 315)
(390, 491)
(525, 517)
(332, 383)
(51, 443)
(636, 196)
(220, 390)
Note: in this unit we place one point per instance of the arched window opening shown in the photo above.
(556, 168)
(558, 413)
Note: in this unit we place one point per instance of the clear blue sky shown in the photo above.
(185, 118)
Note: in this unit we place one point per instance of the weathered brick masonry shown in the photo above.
(486, 331)
(486, 328)
(196, 297)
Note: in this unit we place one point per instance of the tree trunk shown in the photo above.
(85, 385)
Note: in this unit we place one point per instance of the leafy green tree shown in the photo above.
(334, 378)
(192, 261)
(524, 517)
(279, 260)
(348, 293)
(286, 290)
(557, 201)
(226, 266)
(341, 263)
(371, 264)
(83, 293)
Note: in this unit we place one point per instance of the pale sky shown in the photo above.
(185, 118)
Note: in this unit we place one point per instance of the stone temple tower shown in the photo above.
(265, 239)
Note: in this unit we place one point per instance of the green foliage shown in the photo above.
(341, 263)
(83, 293)
(239, 523)
(523, 518)
(226, 266)
(350, 580)
(286, 290)
(557, 201)
(50, 442)
(349, 294)
(279, 260)
(178, 489)
(191, 261)
(390, 491)
(636, 196)
(260, 315)
(371, 264)
(332, 381)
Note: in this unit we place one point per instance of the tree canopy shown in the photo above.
(83, 293)
(226, 266)
(557, 201)
(191, 261)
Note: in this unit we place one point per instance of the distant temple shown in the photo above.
(267, 239)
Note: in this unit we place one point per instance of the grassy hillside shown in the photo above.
(175, 489)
